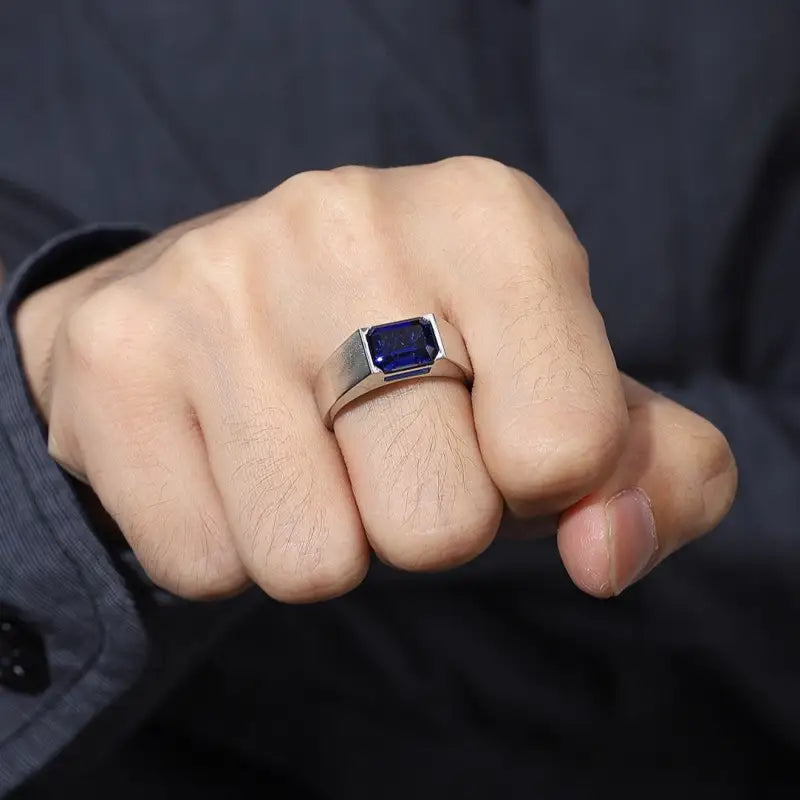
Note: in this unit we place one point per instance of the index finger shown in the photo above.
(548, 403)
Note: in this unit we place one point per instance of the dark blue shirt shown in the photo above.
(669, 131)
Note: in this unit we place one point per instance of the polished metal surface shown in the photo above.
(349, 373)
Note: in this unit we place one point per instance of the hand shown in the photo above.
(178, 379)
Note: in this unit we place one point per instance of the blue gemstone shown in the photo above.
(402, 345)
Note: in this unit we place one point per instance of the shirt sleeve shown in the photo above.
(57, 581)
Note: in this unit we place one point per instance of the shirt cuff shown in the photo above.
(54, 571)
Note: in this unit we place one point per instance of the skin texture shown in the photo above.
(177, 378)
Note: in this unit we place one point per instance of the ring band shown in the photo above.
(379, 355)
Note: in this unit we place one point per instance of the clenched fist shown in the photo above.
(178, 380)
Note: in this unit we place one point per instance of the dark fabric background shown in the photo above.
(670, 133)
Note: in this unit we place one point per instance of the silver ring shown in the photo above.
(384, 354)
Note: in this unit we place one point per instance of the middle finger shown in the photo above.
(423, 492)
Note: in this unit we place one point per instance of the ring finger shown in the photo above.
(424, 495)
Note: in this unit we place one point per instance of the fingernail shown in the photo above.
(631, 537)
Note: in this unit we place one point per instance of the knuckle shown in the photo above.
(477, 170)
(554, 234)
(329, 578)
(193, 245)
(335, 211)
(193, 582)
(213, 285)
(308, 184)
(576, 257)
(188, 557)
(565, 428)
(215, 244)
(207, 275)
(335, 192)
(527, 182)
(486, 191)
(437, 517)
(293, 544)
(292, 559)
(202, 270)
(202, 256)
(352, 175)
(504, 208)
(560, 465)
(112, 329)
(442, 543)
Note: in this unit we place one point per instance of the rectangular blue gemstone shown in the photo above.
(408, 344)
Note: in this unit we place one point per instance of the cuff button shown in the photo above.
(23, 659)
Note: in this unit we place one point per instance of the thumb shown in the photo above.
(674, 482)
